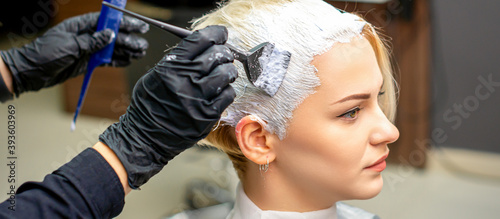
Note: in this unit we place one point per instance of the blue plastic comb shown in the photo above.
(108, 19)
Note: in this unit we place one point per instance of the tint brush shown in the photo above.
(265, 65)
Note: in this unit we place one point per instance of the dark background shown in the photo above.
(465, 46)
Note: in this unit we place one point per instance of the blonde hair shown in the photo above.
(305, 28)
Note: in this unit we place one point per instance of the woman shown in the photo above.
(323, 137)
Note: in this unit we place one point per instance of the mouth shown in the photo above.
(378, 165)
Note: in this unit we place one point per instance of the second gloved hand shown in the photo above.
(174, 105)
(64, 50)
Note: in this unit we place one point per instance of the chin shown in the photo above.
(370, 189)
(375, 187)
(373, 194)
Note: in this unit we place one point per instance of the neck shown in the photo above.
(272, 191)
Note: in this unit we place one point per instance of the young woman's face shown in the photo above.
(338, 136)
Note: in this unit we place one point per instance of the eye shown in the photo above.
(381, 93)
(351, 114)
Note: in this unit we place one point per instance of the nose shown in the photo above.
(383, 132)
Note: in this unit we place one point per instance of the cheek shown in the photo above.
(328, 163)
(324, 151)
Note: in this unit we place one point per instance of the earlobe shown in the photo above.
(254, 140)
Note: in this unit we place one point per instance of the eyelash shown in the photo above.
(348, 114)
(355, 110)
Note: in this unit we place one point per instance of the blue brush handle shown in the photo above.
(108, 19)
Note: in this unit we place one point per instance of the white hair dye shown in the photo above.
(305, 28)
(274, 68)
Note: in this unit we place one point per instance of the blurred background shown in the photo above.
(446, 163)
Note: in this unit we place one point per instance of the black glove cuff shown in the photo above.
(141, 158)
(139, 162)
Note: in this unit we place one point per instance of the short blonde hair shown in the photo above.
(246, 23)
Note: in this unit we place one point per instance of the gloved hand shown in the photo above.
(64, 50)
(174, 105)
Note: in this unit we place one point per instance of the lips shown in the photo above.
(378, 165)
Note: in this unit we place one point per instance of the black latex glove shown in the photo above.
(64, 50)
(174, 105)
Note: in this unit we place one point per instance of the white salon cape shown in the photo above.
(244, 208)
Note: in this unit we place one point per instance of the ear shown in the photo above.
(256, 143)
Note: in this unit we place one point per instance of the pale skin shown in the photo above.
(115, 163)
(103, 149)
(6, 75)
(334, 135)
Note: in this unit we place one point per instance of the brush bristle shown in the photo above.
(274, 67)
(73, 126)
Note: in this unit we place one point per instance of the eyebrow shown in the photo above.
(354, 97)
(364, 96)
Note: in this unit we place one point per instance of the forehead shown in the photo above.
(348, 68)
